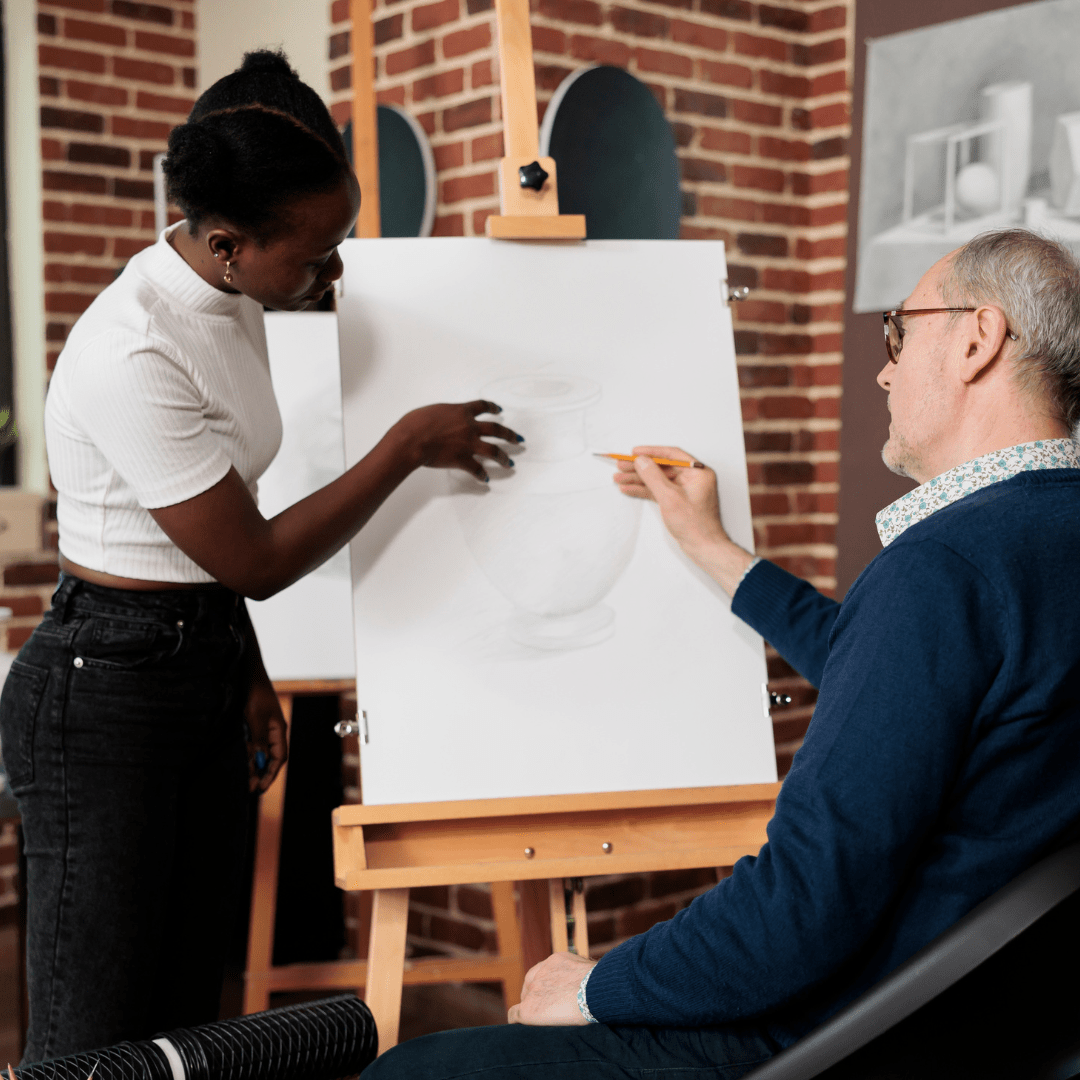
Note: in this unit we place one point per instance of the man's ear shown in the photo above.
(986, 335)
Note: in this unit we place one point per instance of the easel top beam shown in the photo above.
(553, 804)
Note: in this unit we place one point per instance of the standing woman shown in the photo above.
(133, 718)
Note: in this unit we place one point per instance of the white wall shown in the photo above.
(229, 28)
(25, 246)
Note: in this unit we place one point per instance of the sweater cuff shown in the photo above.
(765, 594)
(608, 988)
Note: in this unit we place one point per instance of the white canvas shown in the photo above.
(546, 636)
(306, 632)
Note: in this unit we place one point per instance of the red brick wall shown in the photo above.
(115, 77)
(758, 96)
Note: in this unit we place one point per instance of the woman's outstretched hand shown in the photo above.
(452, 436)
(690, 506)
(223, 531)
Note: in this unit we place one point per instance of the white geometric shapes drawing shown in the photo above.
(978, 188)
(1065, 164)
(554, 536)
(987, 164)
(1008, 152)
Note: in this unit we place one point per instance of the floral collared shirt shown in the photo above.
(981, 472)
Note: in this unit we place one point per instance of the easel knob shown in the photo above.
(533, 175)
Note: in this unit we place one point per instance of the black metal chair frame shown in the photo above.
(975, 938)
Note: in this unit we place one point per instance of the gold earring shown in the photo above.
(228, 270)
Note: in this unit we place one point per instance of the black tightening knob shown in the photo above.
(533, 176)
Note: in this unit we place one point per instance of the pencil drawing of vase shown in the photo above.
(553, 536)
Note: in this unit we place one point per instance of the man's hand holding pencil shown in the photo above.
(690, 506)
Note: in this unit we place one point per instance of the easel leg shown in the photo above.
(264, 885)
(535, 922)
(581, 925)
(560, 940)
(508, 935)
(386, 962)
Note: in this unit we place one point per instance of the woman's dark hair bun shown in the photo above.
(268, 60)
(200, 160)
(256, 140)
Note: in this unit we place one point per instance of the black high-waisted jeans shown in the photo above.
(123, 736)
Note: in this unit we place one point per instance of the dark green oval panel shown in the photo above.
(616, 156)
(406, 175)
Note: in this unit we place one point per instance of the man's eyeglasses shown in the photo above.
(894, 328)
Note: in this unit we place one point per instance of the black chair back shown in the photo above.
(996, 993)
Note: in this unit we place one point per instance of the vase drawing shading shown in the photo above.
(553, 536)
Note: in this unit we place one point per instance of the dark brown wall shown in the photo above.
(865, 484)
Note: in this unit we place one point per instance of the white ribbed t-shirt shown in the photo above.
(164, 383)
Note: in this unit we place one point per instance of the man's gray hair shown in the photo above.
(1036, 283)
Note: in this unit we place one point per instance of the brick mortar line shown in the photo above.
(778, 67)
(718, 189)
(811, 393)
(125, 52)
(813, 424)
(409, 36)
(811, 487)
(683, 48)
(115, 83)
(804, 518)
(790, 328)
(813, 457)
(119, 22)
(713, 22)
(811, 548)
(90, 198)
(813, 360)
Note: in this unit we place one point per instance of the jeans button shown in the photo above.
(78, 661)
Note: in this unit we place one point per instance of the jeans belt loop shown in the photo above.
(65, 593)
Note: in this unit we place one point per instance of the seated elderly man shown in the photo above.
(944, 755)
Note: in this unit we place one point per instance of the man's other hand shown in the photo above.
(549, 993)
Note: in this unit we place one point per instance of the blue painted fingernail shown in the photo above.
(260, 761)
(511, 460)
(521, 438)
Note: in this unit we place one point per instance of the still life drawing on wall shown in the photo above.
(968, 126)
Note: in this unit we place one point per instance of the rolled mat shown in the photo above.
(320, 1040)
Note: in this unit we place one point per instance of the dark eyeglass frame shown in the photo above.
(900, 313)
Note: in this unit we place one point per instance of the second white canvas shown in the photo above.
(543, 635)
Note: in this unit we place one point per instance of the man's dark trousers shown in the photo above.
(589, 1052)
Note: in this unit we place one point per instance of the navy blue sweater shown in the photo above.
(942, 760)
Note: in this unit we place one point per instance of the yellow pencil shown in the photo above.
(658, 460)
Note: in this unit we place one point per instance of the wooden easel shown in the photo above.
(260, 976)
(392, 848)
(528, 212)
(527, 841)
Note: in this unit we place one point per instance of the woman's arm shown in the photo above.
(222, 530)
